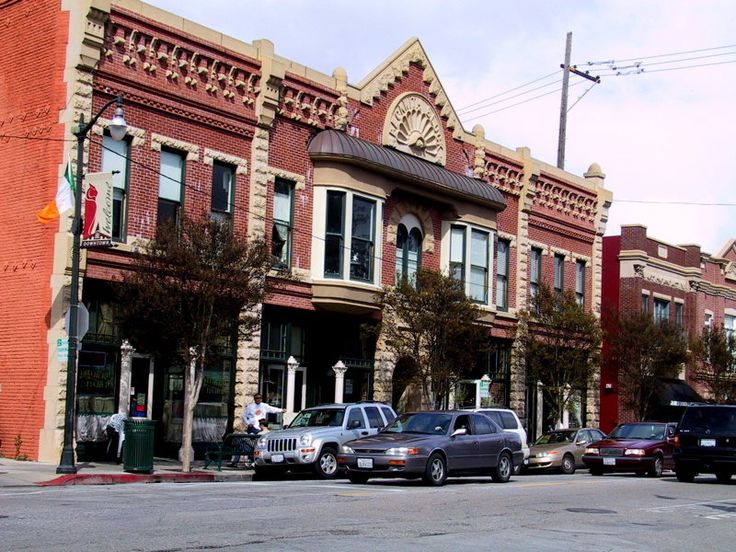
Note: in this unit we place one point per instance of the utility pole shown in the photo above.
(563, 104)
(567, 69)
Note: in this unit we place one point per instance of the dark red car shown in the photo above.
(641, 447)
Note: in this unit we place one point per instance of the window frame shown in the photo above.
(535, 262)
(502, 274)
(580, 282)
(464, 268)
(370, 241)
(180, 204)
(284, 260)
(230, 202)
(559, 272)
(661, 310)
(402, 268)
(121, 234)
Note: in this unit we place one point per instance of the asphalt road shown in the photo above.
(536, 512)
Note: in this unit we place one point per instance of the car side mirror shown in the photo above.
(461, 431)
(581, 442)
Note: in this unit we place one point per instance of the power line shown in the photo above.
(464, 108)
(691, 203)
(644, 72)
(512, 97)
(608, 62)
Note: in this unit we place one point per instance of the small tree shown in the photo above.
(434, 324)
(560, 344)
(192, 287)
(714, 363)
(646, 351)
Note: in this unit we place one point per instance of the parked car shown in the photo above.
(641, 447)
(561, 449)
(705, 442)
(434, 445)
(508, 421)
(314, 436)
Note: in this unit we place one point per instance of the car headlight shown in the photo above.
(546, 454)
(402, 451)
(346, 449)
(305, 440)
(635, 452)
(592, 450)
(261, 443)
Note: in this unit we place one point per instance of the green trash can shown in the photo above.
(138, 445)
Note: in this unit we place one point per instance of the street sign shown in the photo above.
(485, 389)
(62, 350)
(82, 321)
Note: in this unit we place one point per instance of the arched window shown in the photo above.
(408, 252)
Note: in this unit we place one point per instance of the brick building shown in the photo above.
(678, 283)
(353, 184)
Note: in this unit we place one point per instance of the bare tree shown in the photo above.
(433, 328)
(714, 363)
(194, 286)
(645, 351)
(560, 345)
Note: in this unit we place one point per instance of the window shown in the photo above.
(729, 325)
(502, 275)
(708, 321)
(661, 310)
(679, 307)
(482, 425)
(580, 282)
(350, 219)
(559, 273)
(477, 249)
(374, 416)
(222, 190)
(535, 272)
(355, 419)
(644, 303)
(115, 160)
(457, 253)
(408, 253)
(170, 186)
(283, 209)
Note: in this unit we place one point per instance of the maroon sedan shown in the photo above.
(641, 447)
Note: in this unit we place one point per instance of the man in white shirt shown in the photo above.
(255, 412)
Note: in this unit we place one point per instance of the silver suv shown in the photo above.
(314, 437)
(509, 421)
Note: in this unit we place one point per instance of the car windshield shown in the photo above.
(650, 432)
(556, 437)
(319, 417)
(422, 423)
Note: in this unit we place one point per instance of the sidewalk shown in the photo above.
(14, 473)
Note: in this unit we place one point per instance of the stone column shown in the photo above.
(339, 369)
(291, 366)
(126, 364)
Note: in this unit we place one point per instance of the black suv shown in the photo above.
(705, 442)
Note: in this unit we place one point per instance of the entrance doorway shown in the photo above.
(141, 387)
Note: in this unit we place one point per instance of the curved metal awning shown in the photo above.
(334, 145)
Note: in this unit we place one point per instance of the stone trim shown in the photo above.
(158, 140)
(425, 219)
(272, 173)
(210, 156)
(138, 135)
(508, 237)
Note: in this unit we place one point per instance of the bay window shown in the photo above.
(474, 245)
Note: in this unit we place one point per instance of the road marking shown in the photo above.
(689, 505)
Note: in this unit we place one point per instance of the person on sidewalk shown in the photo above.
(255, 412)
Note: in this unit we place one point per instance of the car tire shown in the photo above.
(684, 475)
(596, 471)
(358, 478)
(723, 476)
(435, 473)
(504, 467)
(568, 464)
(326, 465)
(657, 467)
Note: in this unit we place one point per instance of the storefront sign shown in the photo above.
(97, 229)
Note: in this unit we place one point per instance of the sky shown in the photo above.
(660, 124)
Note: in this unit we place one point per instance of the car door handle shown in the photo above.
(364, 433)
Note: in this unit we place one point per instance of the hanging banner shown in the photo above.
(97, 211)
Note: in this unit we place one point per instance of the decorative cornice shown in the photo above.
(507, 178)
(157, 140)
(558, 197)
(644, 274)
(241, 165)
(272, 173)
(713, 289)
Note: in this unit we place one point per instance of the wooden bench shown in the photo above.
(235, 449)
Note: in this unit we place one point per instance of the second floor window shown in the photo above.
(283, 201)
(580, 282)
(644, 303)
(223, 184)
(457, 253)
(729, 325)
(535, 271)
(476, 248)
(408, 253)
(502, 275)
(661, 310)
(115, 160)
(170, 186)
(679, 308)
(559, 273)
(362, 243)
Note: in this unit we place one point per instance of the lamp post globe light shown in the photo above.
(118, 128)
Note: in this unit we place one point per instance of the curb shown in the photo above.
(115, 479)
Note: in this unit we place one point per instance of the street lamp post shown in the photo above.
(118, 128)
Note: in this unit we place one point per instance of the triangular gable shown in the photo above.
(395, 66)
(728, 251)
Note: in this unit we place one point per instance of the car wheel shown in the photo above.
(503, 470)
(596, 471)
(358, 478)
(568, 464)
(326, 465)
(723, 476)
(436, 471)
(657, 467)
(685, 476)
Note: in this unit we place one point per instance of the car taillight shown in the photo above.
(674, 440)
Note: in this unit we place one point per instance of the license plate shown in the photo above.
(707, 442)
(365, 463)
(277, 458)
(609, 461)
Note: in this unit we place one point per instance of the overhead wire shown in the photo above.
(464, 108)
